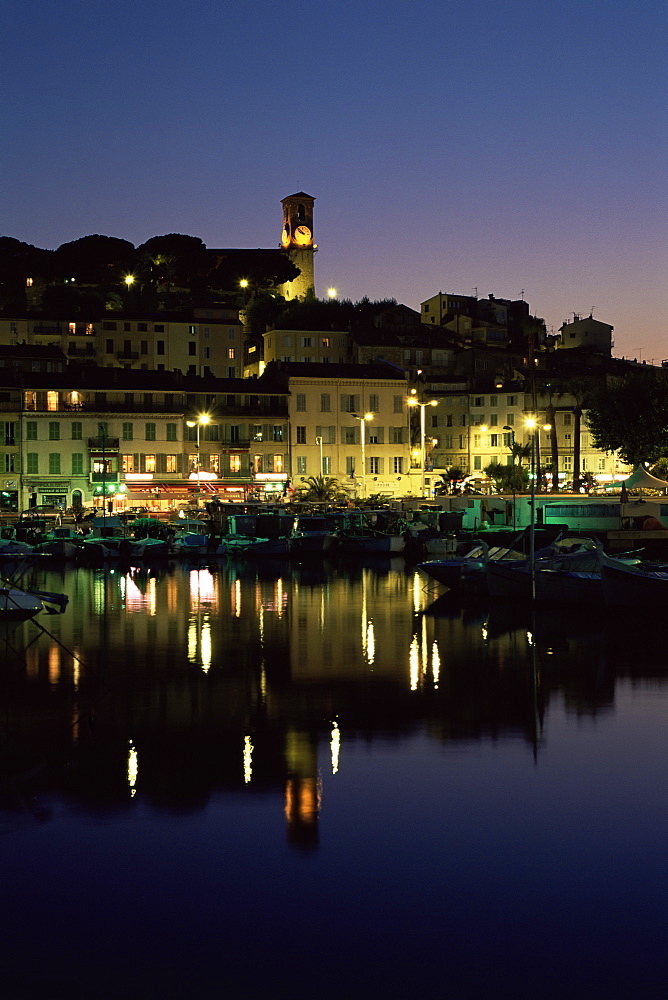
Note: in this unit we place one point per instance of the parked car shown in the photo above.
(43, 512)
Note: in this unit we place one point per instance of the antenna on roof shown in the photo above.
(591, 312)
(522, 294)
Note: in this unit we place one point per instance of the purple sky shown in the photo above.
(449, 145)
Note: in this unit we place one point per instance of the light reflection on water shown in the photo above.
(314, 756)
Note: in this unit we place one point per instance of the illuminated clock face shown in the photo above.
(302, 235)
(285, 238)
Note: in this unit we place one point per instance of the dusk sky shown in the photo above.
(497, 145)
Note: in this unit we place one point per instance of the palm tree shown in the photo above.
(320, 489)
(449, 480)
(520, 452)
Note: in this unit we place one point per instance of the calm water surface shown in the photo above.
(324, 782)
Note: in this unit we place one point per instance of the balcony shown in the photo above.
(48, 329)
(109, 478)
(81, 352)
(103, 444)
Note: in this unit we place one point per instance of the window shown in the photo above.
(375, 465)
(109, 348)
(128, 463)
(301, 401)
(10, 429)
(277, 433)
(235, 433)
(77, 464)
(568, 438)
(397, 403)
(150, 463)
(170, 463)
(128, 432)
(52, 400)
(494, 420)
(31, 430)
(325, 402)
(77, 430)
(150, 432)
(171, 432)
(235, 463)
(493, 401)
(477, 462)
(32, 463)
(434, 420)
(325, 342)
(494, 440)
(350, 465)
(159, 347)
(278, 463)
(326, 465)
(567, 419)
(349, 404)
(192, 348)
(107, 325)
(510, 419)
(398, 465)
(301, 435)
(301, 465)
(231, 352)
(257, 432)
(54, 430)
(305, 341)
(54, 463)
(511, 400)
(214, 464)
(349, 435)
(374, 406)
(10, 463)
(449, 420)
(158, 327)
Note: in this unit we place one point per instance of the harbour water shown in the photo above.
(324, 781)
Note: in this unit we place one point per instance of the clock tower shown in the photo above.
(297, 241)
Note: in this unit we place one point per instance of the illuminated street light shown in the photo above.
(423, 455)
(363, 419)
(202, 419)
(331, 293)
(129, 280)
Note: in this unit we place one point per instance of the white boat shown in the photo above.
(468, 571)
(18, 604)
(567, 570)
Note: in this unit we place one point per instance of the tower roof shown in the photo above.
(300, 194)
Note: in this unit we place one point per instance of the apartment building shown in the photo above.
(351, 422)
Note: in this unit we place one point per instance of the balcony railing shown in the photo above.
(127, 355)
(104, 444)
(110, 478)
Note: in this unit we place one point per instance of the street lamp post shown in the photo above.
(318, 441)
(423, 454)
(363, 419)
(203, 418)
(507, 427)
